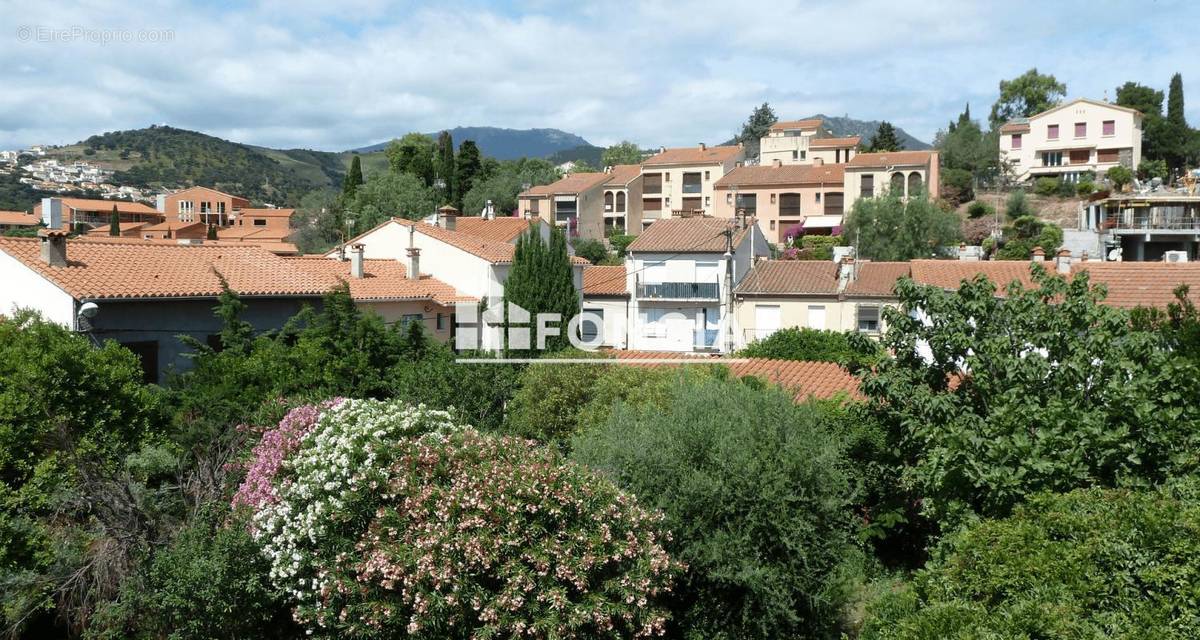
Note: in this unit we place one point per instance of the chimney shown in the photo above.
(777, 163)
(54, 247)
(1039, 255)
(356, 261)
(448, 217)
(703, 146)
(1063, 260)
(414, 263)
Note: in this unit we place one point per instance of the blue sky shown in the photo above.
(336, 75)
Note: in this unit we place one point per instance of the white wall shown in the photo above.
(25, 288)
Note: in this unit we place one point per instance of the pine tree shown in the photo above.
(353, 179)
(885, 139)
(114, 223)
(445, 166)
(1175, 102)
(466, 167)
(541, 281)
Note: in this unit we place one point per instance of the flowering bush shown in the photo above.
(385, 520)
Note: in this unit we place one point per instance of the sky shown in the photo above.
(330, 75)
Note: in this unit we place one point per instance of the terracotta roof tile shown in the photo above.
(802, 125)
(891, 158)
(695, 155)
(821, 380)
(877, 279)
(383, 280)
(498, 229)
(788, 174)
(1141, 284)
(623, 174)
(604, 281)
(794, 277)
(98, 269)
(835, 143)
(686, 235)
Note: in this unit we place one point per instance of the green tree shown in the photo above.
(389, 194)
(756, 126)
(445, 166)
(541, 281)
(353, 179)
(756, 496)
(989, 399)
(891, 228)
(114, 223)
(1027, 94)
(467, 166)
(1086, 564)
(412, 154)
(624, 152)
(885, 139)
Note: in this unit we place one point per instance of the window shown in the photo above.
(1016, 141)
(789, 204)
(620, 201)
(867, 186)
(1052, 132)
(1080, 129)
(1051, 158)
(868, 318)
(1109, 128)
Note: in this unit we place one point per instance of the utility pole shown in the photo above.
(728, 290)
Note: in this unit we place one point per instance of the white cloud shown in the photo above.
(335, 75)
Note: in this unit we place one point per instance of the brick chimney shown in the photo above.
(357, 270)
(414, 263)
(1039, 254)
(1063, 260)
(448, 218)
(54, 247)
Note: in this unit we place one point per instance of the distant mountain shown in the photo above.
(508, 144)
(845, 126)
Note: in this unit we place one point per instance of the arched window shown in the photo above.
(898, 183)
(608, 201)
(914, 184)
(621, 201)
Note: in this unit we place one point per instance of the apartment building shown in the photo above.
(623, 199)
(575, 203)
(56, 213)
(907, 173)
(1071, 139)
(680, 181)
(784, 197)
(675, 276)
(805, 142)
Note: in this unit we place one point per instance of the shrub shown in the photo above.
(801, 343)
(755, 492)
(1087, 564)
(393, 522)
(1046, 186)
(980, 209)
(1085, 188)
(591, 250)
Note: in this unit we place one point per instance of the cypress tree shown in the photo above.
(114, 223)
(353, 179)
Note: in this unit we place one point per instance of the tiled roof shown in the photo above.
(791, 277)
(604, 281)
(790, 125)
(806, 380)
(891, 158)
(123, 206)
(498, 229)
(18, 218)
(686, 235)
(695, 155)
(383, 280)
(768, 174)
(877, 279)
(98, 269)
(1144, 284)
(623, 174)
(950, 274)
(838, 143)
(574, 183)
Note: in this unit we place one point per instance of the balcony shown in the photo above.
(679, 291)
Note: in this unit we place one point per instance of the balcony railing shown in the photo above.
(679, 291)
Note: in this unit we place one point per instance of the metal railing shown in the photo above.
(679, 291)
